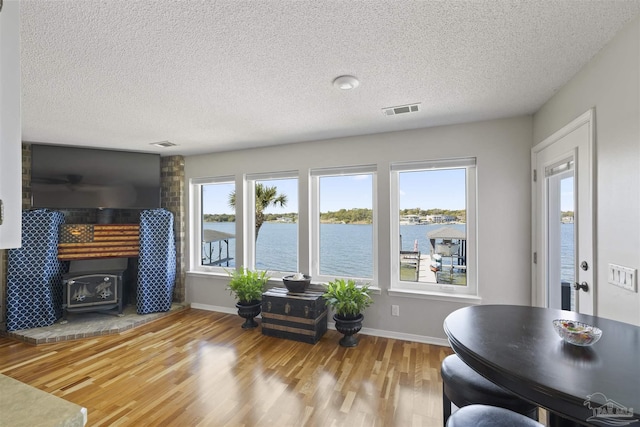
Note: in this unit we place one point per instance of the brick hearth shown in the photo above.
(86, 325)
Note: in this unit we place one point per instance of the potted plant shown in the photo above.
(348, 301)
(247, 286)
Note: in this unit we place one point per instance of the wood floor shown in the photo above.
(199, 368)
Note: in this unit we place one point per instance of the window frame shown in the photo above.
(314, 219)
(470, 166)
(196, 227)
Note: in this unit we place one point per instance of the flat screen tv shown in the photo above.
(65, 177)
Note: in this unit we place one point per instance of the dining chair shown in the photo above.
(463, 386)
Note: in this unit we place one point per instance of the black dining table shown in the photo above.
(517, 348)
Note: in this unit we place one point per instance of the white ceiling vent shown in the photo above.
(401, 109)
(164, 144)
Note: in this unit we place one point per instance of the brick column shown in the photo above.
(172, 199)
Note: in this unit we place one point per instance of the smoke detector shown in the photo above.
(401, 109)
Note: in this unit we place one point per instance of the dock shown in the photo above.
(423, 262)
(424, 272)
(211, 238)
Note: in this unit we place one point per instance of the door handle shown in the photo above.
(584, 286)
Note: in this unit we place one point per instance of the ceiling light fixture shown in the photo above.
(346, 82)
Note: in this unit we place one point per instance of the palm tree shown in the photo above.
(265, 197)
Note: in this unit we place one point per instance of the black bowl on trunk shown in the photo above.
(296, 286)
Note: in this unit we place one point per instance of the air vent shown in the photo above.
(401, 109)
(164, 144)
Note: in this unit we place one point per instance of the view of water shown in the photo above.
(567, 253)
(341, 254)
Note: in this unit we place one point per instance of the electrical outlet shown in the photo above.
(623, 277)
(395, 310)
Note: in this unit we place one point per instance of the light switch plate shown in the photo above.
(624, 277)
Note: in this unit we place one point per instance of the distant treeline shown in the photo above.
(348, 216)
(343, 216)
(219, 218)
(460, 214)
(293, 217)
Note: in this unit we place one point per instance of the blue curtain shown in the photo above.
(34, 275)
(156, 262)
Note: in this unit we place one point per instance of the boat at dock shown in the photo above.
(445, 262)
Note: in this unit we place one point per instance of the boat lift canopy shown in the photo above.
(209, 241)
(449, 241)
(452, 243)
(447, 233)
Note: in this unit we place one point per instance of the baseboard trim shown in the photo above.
(402, 336)
(365, 331)
(218, 308)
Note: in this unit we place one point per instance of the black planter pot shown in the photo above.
(248, 311)
(348, 327)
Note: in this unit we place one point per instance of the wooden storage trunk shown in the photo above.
(299, 317)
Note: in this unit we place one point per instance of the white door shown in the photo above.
(10, 128)
(563, 218)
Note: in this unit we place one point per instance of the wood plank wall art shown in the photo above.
(88, 241)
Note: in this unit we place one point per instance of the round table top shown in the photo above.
(518, 348)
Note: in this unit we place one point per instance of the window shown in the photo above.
(215, 224)
(272, 228)
(433, 226)
(343, 223)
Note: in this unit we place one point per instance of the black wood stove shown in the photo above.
(94, 285)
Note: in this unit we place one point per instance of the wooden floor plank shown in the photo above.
(199, 368)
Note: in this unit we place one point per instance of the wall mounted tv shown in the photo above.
(64, 177)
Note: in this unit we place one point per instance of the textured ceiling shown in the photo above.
(223, 75)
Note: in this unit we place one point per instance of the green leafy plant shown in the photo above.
(265, 197)
(347, 298)
(247, 285)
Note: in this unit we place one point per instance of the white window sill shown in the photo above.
(273, 281)
(197, 273)
(435, 296)
(219, 275)
(375, 290)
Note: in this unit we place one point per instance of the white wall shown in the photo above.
(502, 149)
(10, 129)
(611, 84)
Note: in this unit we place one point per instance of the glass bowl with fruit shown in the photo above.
(577, 333)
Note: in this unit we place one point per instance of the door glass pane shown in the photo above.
(567, 243)
(561, 241)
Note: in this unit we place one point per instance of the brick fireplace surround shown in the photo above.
(172, 199)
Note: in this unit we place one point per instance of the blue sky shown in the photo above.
(431, 189)
(215, 198)
(566, 194)
(443, 189)
(346, 192)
